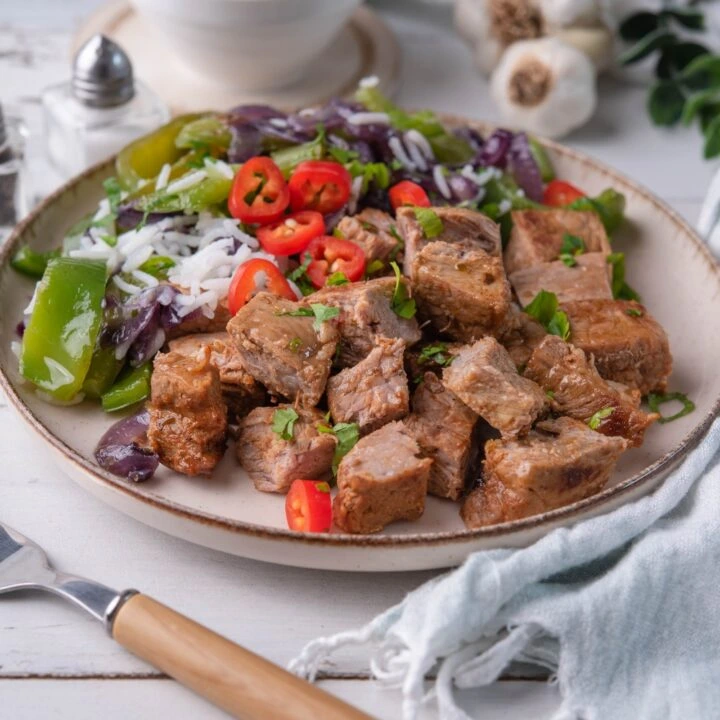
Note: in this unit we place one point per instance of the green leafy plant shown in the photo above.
(687, 88)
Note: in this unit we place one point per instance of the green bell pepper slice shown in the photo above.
(103, 371)
(60, 337)
(143, 158)
(208, 133)
(539, 153)
(132, 387)
(31, 263)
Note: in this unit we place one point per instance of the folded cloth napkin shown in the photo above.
(622, 608)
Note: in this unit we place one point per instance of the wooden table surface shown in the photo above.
(55, 662)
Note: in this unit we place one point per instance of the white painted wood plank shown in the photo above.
(121, 699)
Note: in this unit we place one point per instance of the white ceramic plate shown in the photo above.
(667, 263)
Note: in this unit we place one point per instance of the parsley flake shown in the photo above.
(295, 344)
(347, 434)
(113, 192)
(633, 312)
(402, 304)
(437, 354)
(431, 224)
(283, 423)
(337, 278)
(544, 308)
(300, 278)
(620, 289)
(596, 420)
(374, 266)
(321, 312)
(655, 400)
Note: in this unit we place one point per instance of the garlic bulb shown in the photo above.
(596, 42)
(492, 25)
(545, 86)
(563, 13)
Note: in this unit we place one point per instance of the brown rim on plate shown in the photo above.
(97, 474)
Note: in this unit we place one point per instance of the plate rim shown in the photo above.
(96, 474)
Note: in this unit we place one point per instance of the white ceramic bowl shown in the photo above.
(248, 45)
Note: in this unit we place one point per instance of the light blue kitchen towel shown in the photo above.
(623, 609)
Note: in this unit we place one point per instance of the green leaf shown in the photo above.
(572, 244)
(542, 160)
(157, 266)
(596, 420)
(402, 304)
(437, 354)
(651, 42)
(633, 312)
(337, 278)
(684, 53)
(323, 313)
(687, 17)
(703, 73)
(609, 205)
(665, 102)
(712, 139)
(347, 435)
(300, 278)
(341, 155)
(638, 25)
(113, 192)
(559, 325)
(708, 114)
(568, 259)
(543, 307)
(620, 289)
(429, 221)
(283, 423)
(696, 102)
(374, 266)
(655, 400)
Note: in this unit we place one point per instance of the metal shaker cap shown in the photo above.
(102, 73)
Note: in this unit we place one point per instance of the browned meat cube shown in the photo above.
(520, 335)
(274, 463)
(626, 342)
(373, 392)
(372, 230)
(381, 480)
(560, 462)
(484, 377)
(576, 389)
(465, 228)
(188, 417)
(464, 293)
(282, 351)
(587, 280)
(537, 236)
(444, 428)
(240, 390)
(366, 314)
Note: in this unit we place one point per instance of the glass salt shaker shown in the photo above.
(12, 170)
(100, 110)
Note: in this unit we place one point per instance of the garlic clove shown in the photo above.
(545, 86)
(472, 20)
(563, 13)
(596, 42)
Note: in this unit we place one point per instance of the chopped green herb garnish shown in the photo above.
(431, 224)
(300, 278)
(374, 266)
(633, 312)
(437, 354)
(295, 344)
(369, 227)
(113, 192)
(568, 259)
(338, 233)
(402, 304)
(321, 312)
(596, 420)
(337, 278)
(572, 244)
(400, 243)
(550, 394)
(620, 289)
(157, 266)
(544, 308)
(283, 423)
(341, 155)
(655, 400)
(347, 435)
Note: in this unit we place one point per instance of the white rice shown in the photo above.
(369, 118)
(441, 182)
(417, 138)
(163, 177)
(220, 167)
(398, 150)
(186, 182)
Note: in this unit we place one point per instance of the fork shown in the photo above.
(240, 682)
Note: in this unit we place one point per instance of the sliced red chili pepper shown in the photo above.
(319, 185)
(292, 234)
(308, 506)
(259, 193)
(332, 255)
(559, 193)
(407, 192)
(245, 283)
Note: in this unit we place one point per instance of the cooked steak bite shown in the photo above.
(372, 230)
(588, 279)
(627, 344)
(484, 377)
(381, 480)
(576, 389)
(444, 428)
(373, 392)
(465, 228)
(366, 314)
(188, 417)
(537, 236)
(560, 462)
(240, 390)
(284, 351)
(273, 462)
(520, 335)
(464, 293)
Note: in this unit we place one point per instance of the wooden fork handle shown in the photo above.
(240, 682)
